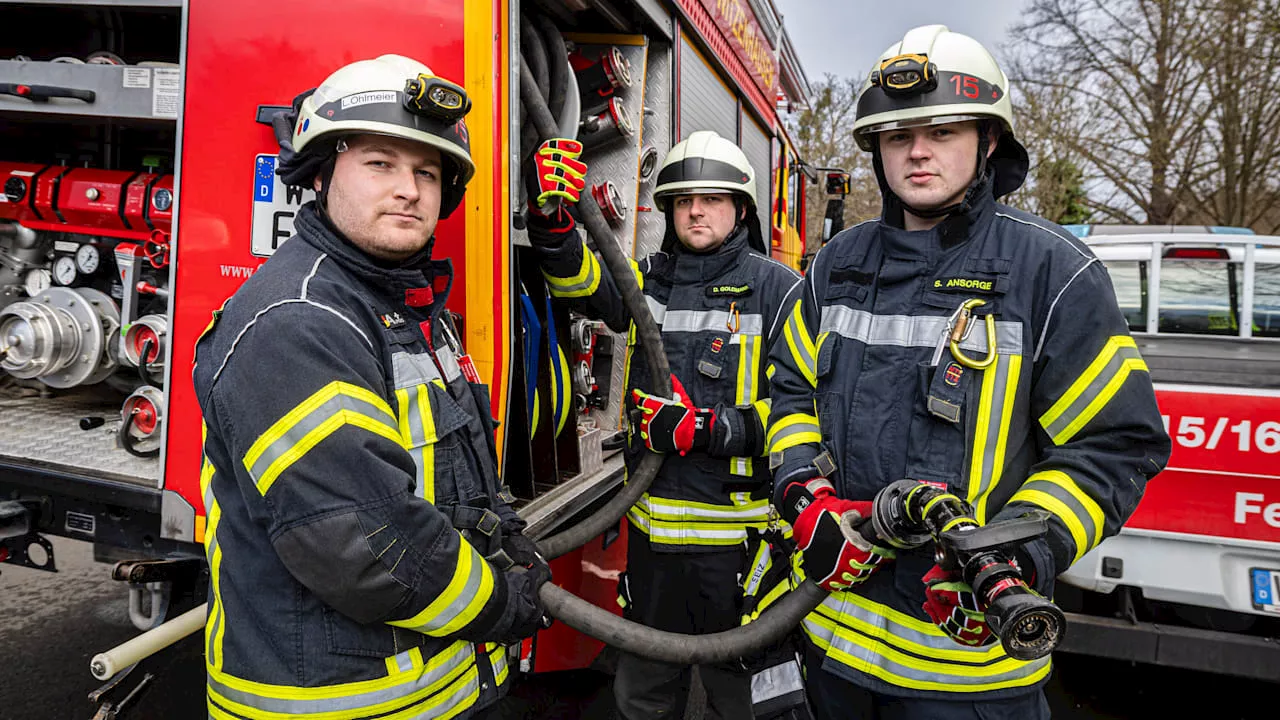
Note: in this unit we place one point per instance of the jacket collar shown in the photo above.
(954, 229)
(691, 267)
(404, 280)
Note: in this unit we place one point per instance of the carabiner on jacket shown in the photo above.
(960, 328)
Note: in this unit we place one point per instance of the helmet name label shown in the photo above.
(368, 98)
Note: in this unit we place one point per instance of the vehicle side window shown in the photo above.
(1266, 300)
(1200, 297)
(1129, 278)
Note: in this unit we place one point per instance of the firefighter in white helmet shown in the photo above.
(358, 538)
(715, 294)
(1043, 405)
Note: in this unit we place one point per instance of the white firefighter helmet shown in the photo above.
(390, 95)
(704, 163)
(933, 76)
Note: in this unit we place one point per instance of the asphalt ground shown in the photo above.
(52, 624)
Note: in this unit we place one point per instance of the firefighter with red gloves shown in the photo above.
(716, 297)
(358, 538)
(962, 343)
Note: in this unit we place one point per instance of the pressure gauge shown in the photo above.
(87, 258)
(37, 281)
(64, 270)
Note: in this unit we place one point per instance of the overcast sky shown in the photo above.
(844, 37)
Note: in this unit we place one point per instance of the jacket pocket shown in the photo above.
(344, 636)
(936, 443)
(456, 473)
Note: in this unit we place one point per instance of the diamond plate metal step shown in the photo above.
(45, 432)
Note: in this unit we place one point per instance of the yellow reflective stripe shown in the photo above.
(428, 450)
(800, 343)
(336, 405)
(747, 390)
(909, 652)
(406, 661)
(583, 284)
(215, 626)
(1056, 492)
(995, 412)
(681, 522)
(664, 508)
(462, 599)
(792, 430)
(1095, 387)
(498, 659)
(880, 661)
(442, 687)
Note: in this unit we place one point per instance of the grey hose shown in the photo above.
(557, 64)
(580, 614)
(532, 47)
(647, 333)
(675, 648)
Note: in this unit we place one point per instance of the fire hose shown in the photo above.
(579, 614)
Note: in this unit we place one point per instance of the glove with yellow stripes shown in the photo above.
(673, 424)
(953, 607)
(833, 554)
(560, 174)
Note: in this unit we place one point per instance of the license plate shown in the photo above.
(1266, 589)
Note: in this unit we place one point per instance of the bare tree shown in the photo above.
(1242, 187)
(1131, 72)
(824, 138)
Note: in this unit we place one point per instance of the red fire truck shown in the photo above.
(1193, 579)
(139, 192)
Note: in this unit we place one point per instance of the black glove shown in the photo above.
(553, 231)
(521, 550)
(528, 615)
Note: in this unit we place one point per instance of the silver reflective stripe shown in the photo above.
(1089, 393)
(448, 364)
(657, 309)
(313, 420)
(793, 429)
(432, 706)
(412, 369)
(564, 287)
(714, 320)
(797, 332)
(417, 438)
(404, 662)
(915, 330)
(680, 533)
(215, 619)
(981, 670)
(664, 509)
(984, 473)
(1082, 513)
(463, 599)
(776, 681)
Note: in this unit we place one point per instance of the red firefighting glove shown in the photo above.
(953, 607)
(560, 173)
(673, 424)
(834, 557)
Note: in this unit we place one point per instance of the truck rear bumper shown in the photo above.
(1173, 646)
(1195, 570)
